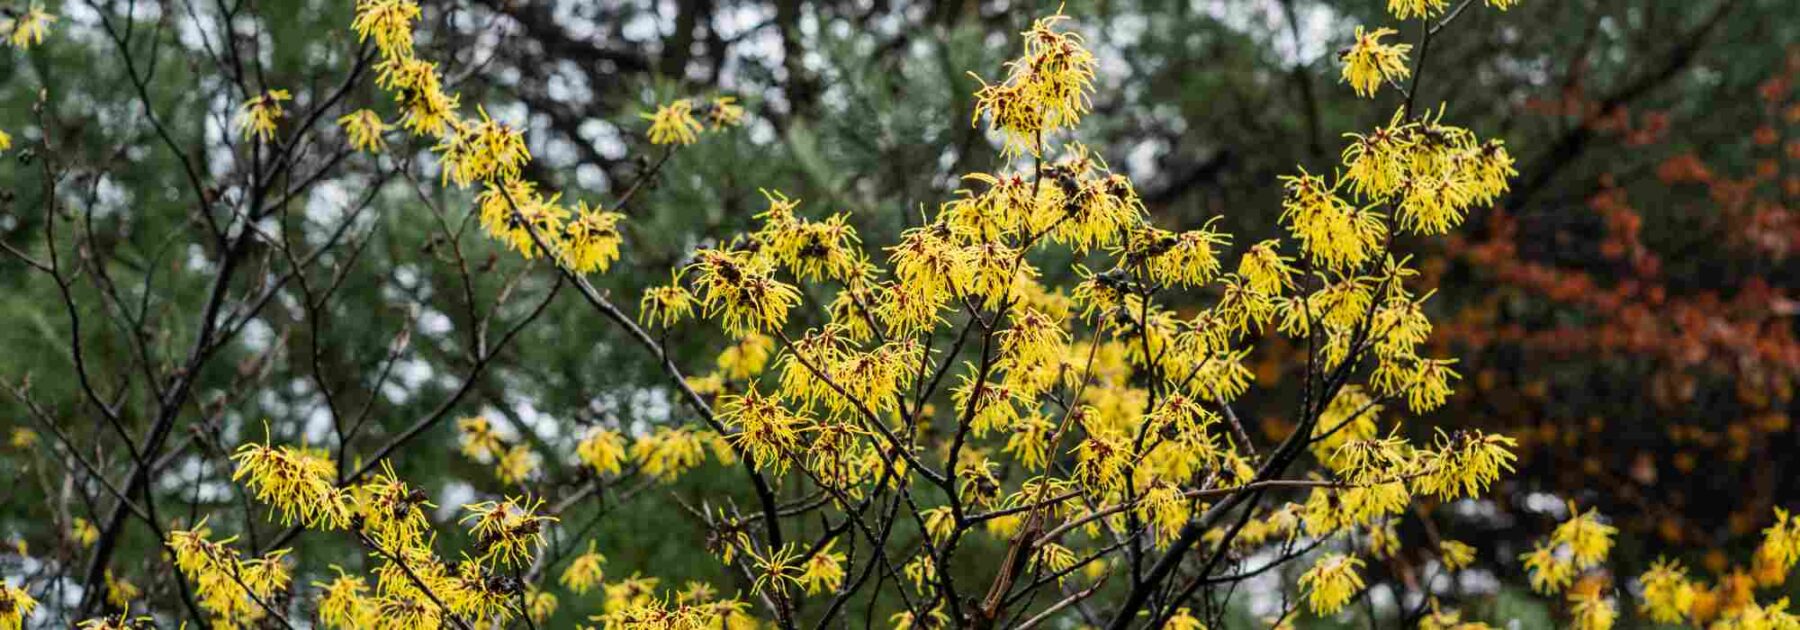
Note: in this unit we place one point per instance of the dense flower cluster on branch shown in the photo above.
(1130, 398)
(1032, 393)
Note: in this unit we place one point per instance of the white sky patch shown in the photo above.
(451, 498)
(1318, 24)
(1547, 504)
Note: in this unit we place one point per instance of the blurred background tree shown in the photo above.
(1628, 310)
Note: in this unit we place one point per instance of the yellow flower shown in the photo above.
(584, 571)
(392, 513)
(345, 603)
(84, 532)
(120, 593)
(1548, 572)
(121, 621)
(1588, 538)
(1406, 9)
(1781, 541)
(766, 429)
(590, 242)
(389, 22)
(1456, 555)
(22, 438)
(364, 128)
(15, 607)
(479, 441)
(425, 108)
(1098, 209)
(223, 581)
(1750, 616)
(1166, 511)
(810, 249)
(1429, 385)
(777, 570)
(6, 144)
(823, 572)
(674, 123)
(1332, 582)
(742, 290)
(1265, 270)
(1185, 259)
(602, 450)
(1368, 63)
(1030, 442)
(29, 29)
(1377, 164)
(1668, 595)
(297, 483)
(725, 112)
(934, 619)
(1590, 611)
(1183, 620)
(1046, 89)
(669, 452)
(258, 116)
(665, 305)
(1447, 620)
(514, 213)
(540, 604)
(508, 532)
(922, 570)
(1463, 464)
(516, 465)
(1333, 233)
(482, 151)
(746, 358)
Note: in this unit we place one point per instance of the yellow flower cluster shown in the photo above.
(235, 591)
(513, 463)
(1046, 89)
(121, 621)
(664, 305)
(1579, 546)
(602, 450)
(258, 116)
(1780, 548)
(365, 129)
(26, 29)
(1119, 399)
(1331, 582)
(83, 531)
(1591, 611)
(1576, 545)
(764, 428)
(298, 483)
(507, 533)
(1368, 63)
(584, 572)
(634, 604)
(740, 288)
(1668, 594)
(120, 592)
(413, 587)
(16, 606)
(1407, 9)
(677, 122)
(840, 385)
(489, 154)
(670, 452)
